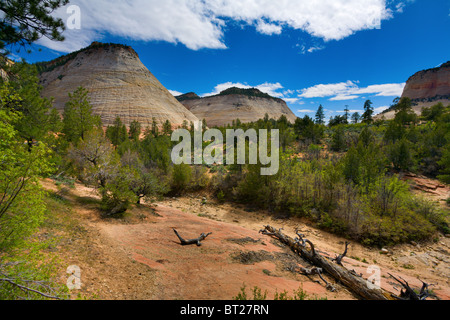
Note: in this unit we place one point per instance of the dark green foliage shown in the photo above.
(444, 163)
(337, 120)
(356, 117)
(338, 141)
(399, 153)
(167, 128)
(433, 113)
(182, 175)
(38, 117)
(308, 131)
(252, 92)
(22, 208)
(117, 133)
(155, 152)
(78, 118)
(404, 114)
(320, 115)
(135, 131)
(24, 22)
(368, 112)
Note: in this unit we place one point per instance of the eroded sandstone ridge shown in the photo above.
(425, 89)
(428, 85)
(119, 85)
(247, 105)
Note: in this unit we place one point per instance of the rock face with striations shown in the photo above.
(119, 85)
(247, 105)
(425, 89)
(431, 84)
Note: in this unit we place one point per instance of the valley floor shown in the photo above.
(140, 258)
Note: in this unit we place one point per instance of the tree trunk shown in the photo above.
(355, 284)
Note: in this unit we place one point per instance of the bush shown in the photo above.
(181, 178)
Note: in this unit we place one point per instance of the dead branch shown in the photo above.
(356, 284)
(28, 288)
(407, 293)
(196, 241)
(339, 258)
(318, 271)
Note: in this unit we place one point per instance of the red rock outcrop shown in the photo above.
(429, 84)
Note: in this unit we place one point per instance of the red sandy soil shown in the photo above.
(141, 258)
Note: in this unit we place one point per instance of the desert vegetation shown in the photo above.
(345, 177)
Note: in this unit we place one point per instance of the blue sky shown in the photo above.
(331, 52)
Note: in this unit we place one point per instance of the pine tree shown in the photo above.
(356, 117)
(117, 133)
(78, 119)
(320, 115)
(347, 113)
(167, 128)
(24, 22)
(368, 112)
(135, 130)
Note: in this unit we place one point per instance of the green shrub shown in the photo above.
(181, 177)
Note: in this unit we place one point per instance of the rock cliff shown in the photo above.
(431, 84)
(425, 89)
(247, 105)
(119, 85)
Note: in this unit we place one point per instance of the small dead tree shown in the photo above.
(407, 293)
(196, 241)
(339, 258)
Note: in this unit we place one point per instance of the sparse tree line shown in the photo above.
(342, 176)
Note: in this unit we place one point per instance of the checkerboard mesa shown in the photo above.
(119, 85)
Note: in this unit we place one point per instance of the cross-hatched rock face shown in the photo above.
(119, 85)
(222, 109)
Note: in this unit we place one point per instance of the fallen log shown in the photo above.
(318, 271)
(196, 241)
(355, 284)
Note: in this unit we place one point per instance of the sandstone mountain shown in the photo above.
(119, 85)
(247, 105)
(427, 88)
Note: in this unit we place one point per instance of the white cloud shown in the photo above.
(268, 28)
(201, 24)
(380, 109)
(305, 50)
(328, 90)
(344, 97)
(384, 90)
(291, 100)
(175, 93)
(305, 111)
(350, 90)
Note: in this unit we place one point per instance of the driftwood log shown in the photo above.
(196, 241)
(354, 283)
